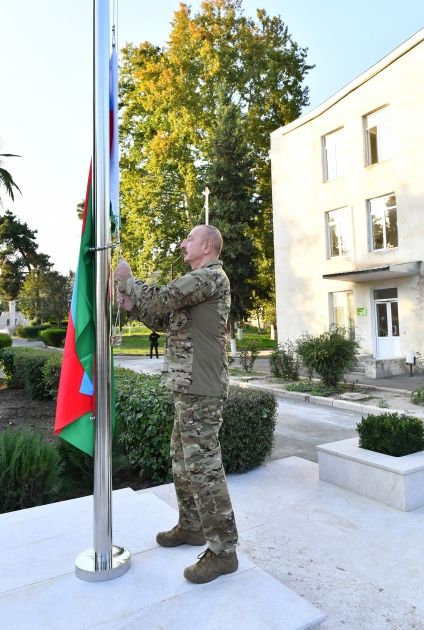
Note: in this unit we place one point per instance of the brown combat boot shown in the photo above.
(179, 536)
(210, 566)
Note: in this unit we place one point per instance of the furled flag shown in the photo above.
(75, 401)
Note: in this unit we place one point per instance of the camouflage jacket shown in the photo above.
(193, 310)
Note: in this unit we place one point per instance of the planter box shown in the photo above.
(396, 481)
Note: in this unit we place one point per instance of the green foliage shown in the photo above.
(248, 357)
(233, 206)
(78, 469)
(5, 340)
(29, 470)
(23, 367)
(145, 411)
(30, 332)
(314, 389)
(383, 404)
(391, 434)
(247, 431)
(45, 295)
(53, 337)
(284, 362)
(169, 118)
(18, 255)
(51, 373)
(329, 355)
(6, 179)
(417, 396)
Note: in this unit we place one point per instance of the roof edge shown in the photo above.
(386, 61)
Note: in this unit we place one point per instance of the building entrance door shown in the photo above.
(387, 323)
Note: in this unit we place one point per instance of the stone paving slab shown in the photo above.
(38, 588)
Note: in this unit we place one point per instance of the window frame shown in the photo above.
(380, 116)
(339, 157)
(349, 310)
(329, 240)
(370, 224)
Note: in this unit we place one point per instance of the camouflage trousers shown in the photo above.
(199, 477)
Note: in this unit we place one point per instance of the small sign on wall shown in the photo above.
(362, 311)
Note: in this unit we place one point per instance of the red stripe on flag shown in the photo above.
(71, 404)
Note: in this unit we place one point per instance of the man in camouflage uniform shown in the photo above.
(193, 310)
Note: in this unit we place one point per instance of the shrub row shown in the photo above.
(330, 355)
(144, 420)
(30, 332)
(35, 370)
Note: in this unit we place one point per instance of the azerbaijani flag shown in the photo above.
(75, 402)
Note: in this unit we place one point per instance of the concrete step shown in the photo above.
(152, 594)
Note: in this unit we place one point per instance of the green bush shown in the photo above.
(247, 432)
(51, 373)
(5, 340)
(417, 396)
(248, 357)
(53, 337)
(7, 361)
(30, 332)
(391, 434)
(29, 470)
(23, 367)
(146, 413)
(145, 410)
(329, 355)
(285, 362)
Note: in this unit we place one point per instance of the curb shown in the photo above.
(347, 405)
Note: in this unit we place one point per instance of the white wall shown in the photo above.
(301, 198)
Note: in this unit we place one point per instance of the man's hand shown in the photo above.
(122, 271)
(125, 301)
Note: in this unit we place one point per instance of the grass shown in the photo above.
(135, 340)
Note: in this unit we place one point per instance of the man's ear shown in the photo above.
(208, 246)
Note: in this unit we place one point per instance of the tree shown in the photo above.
(18, 255)
(233, 205)
(169, 118)
(6, 179)
(45, 296)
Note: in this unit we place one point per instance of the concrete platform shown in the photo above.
(38, 588)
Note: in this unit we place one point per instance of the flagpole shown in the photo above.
(105, 561)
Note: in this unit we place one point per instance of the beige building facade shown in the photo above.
(348, 200)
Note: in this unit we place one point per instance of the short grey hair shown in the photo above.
(214, 236)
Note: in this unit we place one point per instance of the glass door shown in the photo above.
(387, 323)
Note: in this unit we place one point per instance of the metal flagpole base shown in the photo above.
(85, 568)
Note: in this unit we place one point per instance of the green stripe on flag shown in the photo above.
(81, 433)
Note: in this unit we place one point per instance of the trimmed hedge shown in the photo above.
(23, 368)
(30, 332)
(5, 340)
(51, 373)
(391, 434)
(247, 432)
(29, 470)
(146, 412)
(53, 337)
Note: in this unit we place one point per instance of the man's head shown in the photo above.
(203, 244)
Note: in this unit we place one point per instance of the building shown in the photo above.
(348, 198)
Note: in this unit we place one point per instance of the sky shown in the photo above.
(46, 77)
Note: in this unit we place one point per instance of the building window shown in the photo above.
(378, 136)
(341, 310)
(338, 232)
(333, 151)
(383, 222)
